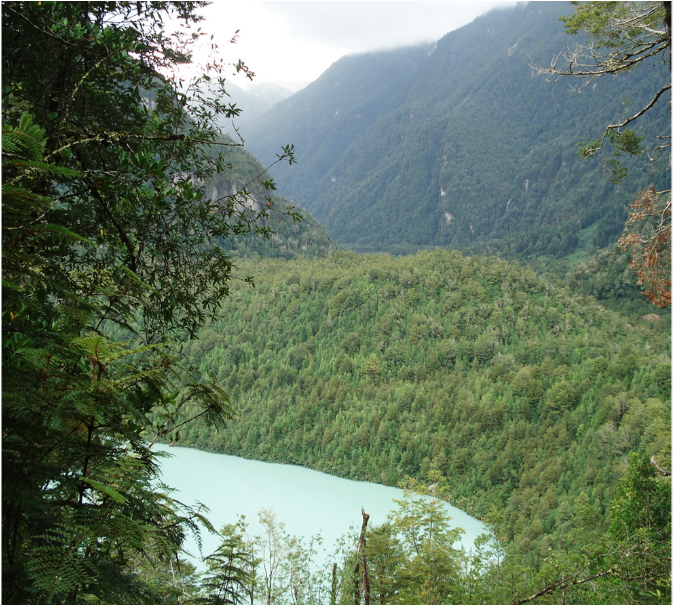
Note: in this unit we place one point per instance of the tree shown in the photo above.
(621, 37)
(143, 145)
(277, 568)
(231, 569)
(110, 228)
(372, 367)
(630, 563)
(386, 558)
(431, 570)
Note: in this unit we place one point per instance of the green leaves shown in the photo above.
(111, 243)
(136, 155)
(26, 138)
(641, 508)
(106, 490)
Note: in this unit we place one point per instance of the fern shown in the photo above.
(27, 138)
(122, 240)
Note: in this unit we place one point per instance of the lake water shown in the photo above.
(307, 501)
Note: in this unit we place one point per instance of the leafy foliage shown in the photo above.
(109, 226)
(143, 155)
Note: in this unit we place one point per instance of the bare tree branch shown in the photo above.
(658, 468)
(361, 581)
(641, 112)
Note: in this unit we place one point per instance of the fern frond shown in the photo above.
(26, 137)
(106, 489)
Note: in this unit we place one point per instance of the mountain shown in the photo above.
(324, 118)
(461, 145)
(253, 101)
(291, 237)
(273, 92)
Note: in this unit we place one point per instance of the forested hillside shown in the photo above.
(521, 394)
(130, 228)
(465, 146)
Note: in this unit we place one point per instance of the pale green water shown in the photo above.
(308, 502)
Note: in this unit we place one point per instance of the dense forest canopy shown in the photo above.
(131, 226)
(376, 368)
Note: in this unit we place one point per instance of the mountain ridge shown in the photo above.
(471, 146)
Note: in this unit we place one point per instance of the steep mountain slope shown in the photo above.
(290, 238)
(324, 118)
(469, 145)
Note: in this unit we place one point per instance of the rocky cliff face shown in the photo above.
(287, 231)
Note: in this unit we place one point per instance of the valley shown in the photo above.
(464, 144)
(526, 387)
(408, 276)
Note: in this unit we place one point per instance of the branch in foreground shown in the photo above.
(665, 473)
(642, 111)
(562, 585)
(361, 585)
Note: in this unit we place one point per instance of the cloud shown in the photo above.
(297, 41)
(374, 25)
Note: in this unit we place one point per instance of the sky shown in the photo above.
(295, 42)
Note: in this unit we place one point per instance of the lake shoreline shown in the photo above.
(306, 501)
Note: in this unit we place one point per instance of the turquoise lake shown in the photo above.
(307, 502)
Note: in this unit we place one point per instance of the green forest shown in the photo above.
(159, 286)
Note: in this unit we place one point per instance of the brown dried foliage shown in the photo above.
(648, 235)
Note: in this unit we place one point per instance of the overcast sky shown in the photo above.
(295, 42)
